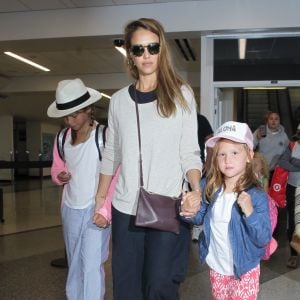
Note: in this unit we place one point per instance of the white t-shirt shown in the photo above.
(83, 163)
(219, 256)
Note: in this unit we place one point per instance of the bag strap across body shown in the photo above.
(139, 138)
(140, 141)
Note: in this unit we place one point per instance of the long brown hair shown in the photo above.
(215, 179)
(169, 83)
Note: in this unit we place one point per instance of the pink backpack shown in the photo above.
(272, 245)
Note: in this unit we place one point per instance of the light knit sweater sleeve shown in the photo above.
(111, 153)
(189, 147)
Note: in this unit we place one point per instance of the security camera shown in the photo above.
(119, 42)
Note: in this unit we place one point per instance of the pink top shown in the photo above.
(59, 166)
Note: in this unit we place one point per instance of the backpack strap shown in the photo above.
(104, 134)
(61, 139)
(100, 138)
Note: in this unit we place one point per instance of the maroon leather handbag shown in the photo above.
(154, 210)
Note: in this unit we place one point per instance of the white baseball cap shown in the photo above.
(234, 131)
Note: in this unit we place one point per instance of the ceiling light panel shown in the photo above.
(27, 61)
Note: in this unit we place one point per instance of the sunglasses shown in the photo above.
(138, 50)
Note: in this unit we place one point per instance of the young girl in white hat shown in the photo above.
(235, 215)
(78, 171)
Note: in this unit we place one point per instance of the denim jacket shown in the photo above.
(248, 235)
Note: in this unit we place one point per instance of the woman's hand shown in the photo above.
(259, 134)
(100, 221)
(64, 177)
(190, 203)
(245, 203)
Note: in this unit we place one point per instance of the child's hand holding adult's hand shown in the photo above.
(100, 221)
(190, 203)
(245, 203)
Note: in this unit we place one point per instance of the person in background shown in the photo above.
(147, 263)
(290, 161)
(204, 133)
(235, 215)
(87, 244)
(271, 140)
(298, 130)
(295, 242)
(261, 170)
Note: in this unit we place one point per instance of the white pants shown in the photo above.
(87, 248)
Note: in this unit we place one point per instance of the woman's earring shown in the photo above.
(130, 62)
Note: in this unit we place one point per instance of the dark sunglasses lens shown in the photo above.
(153, 48)
(137, 50)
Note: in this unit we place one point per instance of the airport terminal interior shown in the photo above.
(77, 39)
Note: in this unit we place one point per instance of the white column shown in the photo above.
(207, 106)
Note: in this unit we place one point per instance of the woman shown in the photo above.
(149, 264)
(271, 140)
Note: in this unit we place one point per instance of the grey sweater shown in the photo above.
(290, 161)
(169, 148)
(272, 146)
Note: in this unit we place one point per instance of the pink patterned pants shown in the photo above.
(225, 287)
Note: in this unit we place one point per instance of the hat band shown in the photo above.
(73, 103)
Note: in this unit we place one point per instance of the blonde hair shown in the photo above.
(264, 164)
(215, 178)
(169, 83)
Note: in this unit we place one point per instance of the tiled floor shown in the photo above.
(30, 238)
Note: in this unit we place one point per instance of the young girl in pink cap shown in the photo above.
(235, 215)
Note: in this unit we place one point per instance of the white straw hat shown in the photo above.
(71, 96)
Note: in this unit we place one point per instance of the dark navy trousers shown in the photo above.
(147, 264)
